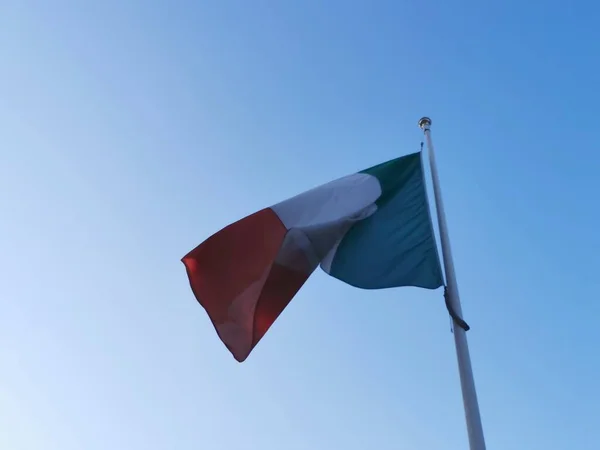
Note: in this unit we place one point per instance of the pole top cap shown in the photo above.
(424, 123)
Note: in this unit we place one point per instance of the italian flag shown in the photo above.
(372, 230)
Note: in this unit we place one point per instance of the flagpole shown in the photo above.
(467, 382)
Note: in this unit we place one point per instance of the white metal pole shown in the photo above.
(469, 394)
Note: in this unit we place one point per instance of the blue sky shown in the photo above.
(130, 131)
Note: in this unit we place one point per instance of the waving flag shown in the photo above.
(371, 230)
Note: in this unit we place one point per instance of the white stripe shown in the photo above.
(339, 199)
(298, 253)
(318, 219)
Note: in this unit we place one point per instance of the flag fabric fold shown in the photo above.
(372, 230)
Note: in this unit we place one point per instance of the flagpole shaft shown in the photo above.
(467, 382)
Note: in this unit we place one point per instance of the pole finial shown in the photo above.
(425, 123)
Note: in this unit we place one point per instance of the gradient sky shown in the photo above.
(132, 130)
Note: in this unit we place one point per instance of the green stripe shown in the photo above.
(396, 245)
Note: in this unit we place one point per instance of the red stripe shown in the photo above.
(234, 277)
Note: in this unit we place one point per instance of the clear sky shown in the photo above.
(132, 130)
